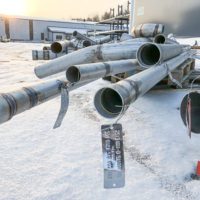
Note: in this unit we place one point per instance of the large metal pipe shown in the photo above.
(61, 46)
(97, 53)
(80, 36)
(86, 43)
(147, 30)
(93, 71)
(162, 39)
(191, 106)
(104, 40)
(16, 102)
(150, 54)
(112, 101)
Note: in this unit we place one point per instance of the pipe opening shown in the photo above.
(73, 74)
(56, 47)
(195, 111)
(75, 33)
(160, 39)
(86, 43)
(108, 103)
(148, 55)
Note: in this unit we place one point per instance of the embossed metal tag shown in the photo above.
(113, 156)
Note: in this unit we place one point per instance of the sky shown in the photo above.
(60, 9)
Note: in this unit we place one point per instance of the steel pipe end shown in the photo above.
(75, 33)
(160, 39)
(108, 102)
(195, 111)
(73, 74)
(148, 54)
(56, 47)
(87, 43)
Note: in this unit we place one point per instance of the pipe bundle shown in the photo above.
(146, 62)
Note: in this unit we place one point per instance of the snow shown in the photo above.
(39, 163)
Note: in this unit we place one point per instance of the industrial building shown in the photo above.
(180, 17)
(36, 29)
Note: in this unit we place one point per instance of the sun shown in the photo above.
(13, 7)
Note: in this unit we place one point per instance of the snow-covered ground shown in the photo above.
(39, 163)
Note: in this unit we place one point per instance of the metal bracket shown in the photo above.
(172, 78)
(64, 104)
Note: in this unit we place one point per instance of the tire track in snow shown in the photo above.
(179, 190)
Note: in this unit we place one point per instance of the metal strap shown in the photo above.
(99, 52)
(172, 78)
(11, 103)
(156, 30)
(135, 86)
(108, 68)
(64, 104)
(33, 96)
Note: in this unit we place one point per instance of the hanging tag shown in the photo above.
(113, 156)
(63, 107)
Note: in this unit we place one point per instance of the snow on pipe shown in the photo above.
(150, 54)
(195, 111)
(80, 36)
(147, 30)
(16, 102)
(93, 71)
(97, 53)
(162, 39)
(113, 100)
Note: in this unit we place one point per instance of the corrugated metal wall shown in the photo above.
(181, 17)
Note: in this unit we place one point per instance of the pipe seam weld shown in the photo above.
(12, 103)
(135, 86)
(107, 67)
(156, 30)
(33, 96)
(99, 52)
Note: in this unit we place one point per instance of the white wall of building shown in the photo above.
(19, 29)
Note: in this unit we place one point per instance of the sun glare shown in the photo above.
(12, 7)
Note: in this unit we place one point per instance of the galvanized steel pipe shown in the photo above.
(150, 54)
(80, 36)
(61, 46)
(115, 99)
(93, 71)
(162, 39)
(26, 98)
(97, 53)
(147, 30)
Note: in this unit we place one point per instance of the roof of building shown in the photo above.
(66, 30)
(46, 19)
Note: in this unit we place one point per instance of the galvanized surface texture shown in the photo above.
(113, 156)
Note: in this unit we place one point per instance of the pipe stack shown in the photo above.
(147, 59)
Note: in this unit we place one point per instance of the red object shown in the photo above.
(198, 169)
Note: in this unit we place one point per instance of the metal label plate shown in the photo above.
(113, 156)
